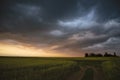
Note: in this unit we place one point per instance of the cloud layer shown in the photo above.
(68, 27)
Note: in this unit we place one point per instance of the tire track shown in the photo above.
(97, 75)
(78, 75)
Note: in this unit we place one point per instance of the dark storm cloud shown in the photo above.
(109, 9)
(71, 25)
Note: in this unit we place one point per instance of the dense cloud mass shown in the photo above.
(65, 26)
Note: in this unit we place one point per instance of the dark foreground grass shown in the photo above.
(89, 74)
(18, 68)
(112, 69)
(35, 69)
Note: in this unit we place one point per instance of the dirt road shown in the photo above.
(98, 74)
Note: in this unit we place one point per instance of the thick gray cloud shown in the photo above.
(63, 25)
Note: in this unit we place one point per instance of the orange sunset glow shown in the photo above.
(8, 49)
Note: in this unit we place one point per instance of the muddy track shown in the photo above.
(78, 75)
(98, 74)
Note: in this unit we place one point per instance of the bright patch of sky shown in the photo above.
(80, 22)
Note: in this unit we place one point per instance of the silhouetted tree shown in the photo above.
(109, 55)
(86, 54)
(92, 55)
(99, 55)
(115, 54)
(106, 54)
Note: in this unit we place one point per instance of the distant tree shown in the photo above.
(86, 55)
(109, 55)
(99, 55)
(114, 54)
(106, 54)
(92, 55)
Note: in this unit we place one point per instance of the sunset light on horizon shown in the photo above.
(8, 49)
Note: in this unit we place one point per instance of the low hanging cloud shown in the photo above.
(28, 10)
(57, 33)
(108, 45)
(85, 21)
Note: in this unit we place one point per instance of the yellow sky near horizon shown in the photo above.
(8, 48)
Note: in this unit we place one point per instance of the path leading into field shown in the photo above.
(97, 74)
(78, 75)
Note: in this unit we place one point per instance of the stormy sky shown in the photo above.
(64, 27)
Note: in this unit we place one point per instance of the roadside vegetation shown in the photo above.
(112, 69)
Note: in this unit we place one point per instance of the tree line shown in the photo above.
(106, 54)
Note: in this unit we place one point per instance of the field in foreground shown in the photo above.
(17, 68)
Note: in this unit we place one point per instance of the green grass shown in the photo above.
(35, 69)
(89, 75)
(18, 68)
(112, 69)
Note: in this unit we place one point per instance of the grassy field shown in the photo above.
(88, 75)
(17, 68)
